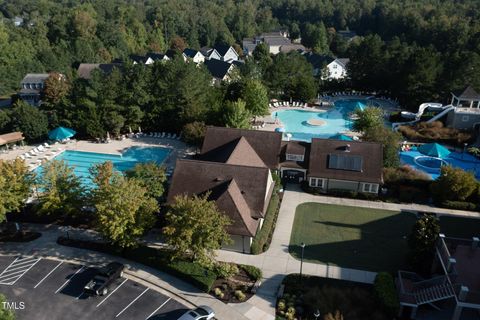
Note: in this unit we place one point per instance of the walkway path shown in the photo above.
(276, 262)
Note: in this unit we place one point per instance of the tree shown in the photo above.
(315, 37)
(368, 118)
(61, 191)
(124, 210)
(453, 184)
(235, 115)
(29, 120)
(421, 243)
(195, 227)
(15, 186)
(151, 176)
(56, 88)
(178, 43)
(255, 96)
(194, 132)
(390, 141)
(5, 314)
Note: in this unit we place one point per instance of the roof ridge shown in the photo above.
(220, 163)
(233, 187)
(244, 141)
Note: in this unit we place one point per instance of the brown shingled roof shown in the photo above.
(219, 143)
(197, 177)
(370, 152)
(467, 93)
(10, 137)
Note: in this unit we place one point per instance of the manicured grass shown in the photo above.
(457, 227)
(360, 238)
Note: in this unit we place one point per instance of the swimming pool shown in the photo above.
(327, 123)
(431, 166)
(82, 161)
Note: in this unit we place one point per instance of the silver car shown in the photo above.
(200, 313)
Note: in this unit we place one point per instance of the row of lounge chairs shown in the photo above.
(294, 104)
(164, 135)
(44, 151)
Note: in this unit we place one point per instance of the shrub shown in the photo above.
(252, 271)
(218, 293)
(193, 133)
(260, 242)
(281, 305)
(453, 184)
(435, 130)
(225, 270)
(384, 288)
(459, 205)
(240, 295)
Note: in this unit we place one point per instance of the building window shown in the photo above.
(370, 187)
(294, 157)
(316, 182)
(465, 118)
(334, 66)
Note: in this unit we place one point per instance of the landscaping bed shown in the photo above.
(21, 236)
(262, 239)
(237, 288)
(353, 301)
(434, 132)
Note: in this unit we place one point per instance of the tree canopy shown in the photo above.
(15, 186)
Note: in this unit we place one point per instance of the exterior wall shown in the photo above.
(336, 71)
(215, 55)
(231, 55)
(269, 185)
(239, 244)
(462, 120)
(284, 172)
(342, 184)
(357, 186)
(199, 58)
(274, 49)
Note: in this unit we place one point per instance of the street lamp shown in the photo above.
(301, 262)
(316, 314)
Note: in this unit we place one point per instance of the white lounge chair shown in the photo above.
(174, 136)
(163, 135)
(169, 135)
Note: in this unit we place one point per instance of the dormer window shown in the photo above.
(294, 157)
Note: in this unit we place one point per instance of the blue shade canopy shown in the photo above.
(434, 150)
(61, 133)
(339, 136)
(281, 129)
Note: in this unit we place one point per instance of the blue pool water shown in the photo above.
(431, 166)
(82, 161)
(336, 120)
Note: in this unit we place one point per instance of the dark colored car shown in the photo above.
(103, 278)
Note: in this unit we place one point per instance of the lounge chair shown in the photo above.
(174, 136)
(163, 135)
(179, 136)
(169, 135)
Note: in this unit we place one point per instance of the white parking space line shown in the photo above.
(58, 265)
(63, 285)
(155, 311)
(121, 284)
(81, 294)
(141, 294)
(17, 269)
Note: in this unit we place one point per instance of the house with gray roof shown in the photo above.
(31, 87)
(194, 55)
(85, 70)
(465, 113)
(329, 68)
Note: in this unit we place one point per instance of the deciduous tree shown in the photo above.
(453, 184)
(368, 118)
(195, 227)
(236, 115)
(255, 96)
(29, 120)
(15, 186)
(151, 176)
(421, 242)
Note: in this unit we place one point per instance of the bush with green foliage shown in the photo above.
(454, 184)
(15, 186)
(240, 295)
(386, 293)
(5, 314)
(421, 243)
(260, 242)
(459, 205)
(194, 132)
(368, 118)
(225, 270)
(252, 271)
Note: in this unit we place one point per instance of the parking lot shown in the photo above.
(51, 289)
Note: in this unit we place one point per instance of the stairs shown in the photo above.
(434, 293)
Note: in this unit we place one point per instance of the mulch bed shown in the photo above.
(22, 236)
(241, 281)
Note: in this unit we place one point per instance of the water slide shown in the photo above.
(421, 109)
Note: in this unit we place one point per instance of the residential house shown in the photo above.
(141, 59)
(85, 70)
(274, 41)
(17, 21)
(194, 55)
(465, 113)
(345, 165)
(32, 86)
(220, 70)
(329, 68)
(210, 54)
(456, 280)
(158, 56)
(233, 168)
(286, 48)
(227, 53)
(347, 35)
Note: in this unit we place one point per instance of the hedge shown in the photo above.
(260, 242)
(252, 271)
(459, 205)
(189, 271)
(386, 293)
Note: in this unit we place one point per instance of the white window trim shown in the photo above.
(317, 182)
(294, 157)
(370, 187)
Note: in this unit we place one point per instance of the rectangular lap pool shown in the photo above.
(82, 161)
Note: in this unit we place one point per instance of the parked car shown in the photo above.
(200, 313)
(103, 278)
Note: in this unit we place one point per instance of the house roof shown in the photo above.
(157, 56)
(10, 137)
(368, 155)
(266, 144)
(35, 78)
(217, 68)
(296, 148)
(286, 48)
(190, 53)
(85, 69)
(343, 61)
(138, 59)
(223, 49)
(198, 177)
(276, 40)
(467, 93)
(318, 61)
(347, 34)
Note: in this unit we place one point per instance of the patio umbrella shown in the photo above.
(434, 150)
(339, 136)
(281, 129)
(61, 133)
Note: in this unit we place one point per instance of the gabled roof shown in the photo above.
(343, 61)
(138, 59)
(223, 49)
(266, 144)
(318, 61)
(35, 77)
(85, 69)
(295, 148)
(198, 177)
(369, 153)
(468, 93)
(157, 56)
(217, 68)
(190, 53)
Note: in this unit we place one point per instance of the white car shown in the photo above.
(200, 313)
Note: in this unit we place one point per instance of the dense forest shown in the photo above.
(412, 50)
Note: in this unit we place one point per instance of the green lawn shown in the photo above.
(361, 238)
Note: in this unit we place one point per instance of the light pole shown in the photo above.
(301, 262)
(316, 314)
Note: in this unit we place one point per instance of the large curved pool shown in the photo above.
(430, 163)
(335, 120)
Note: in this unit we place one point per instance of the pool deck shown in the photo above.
(178, 149)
